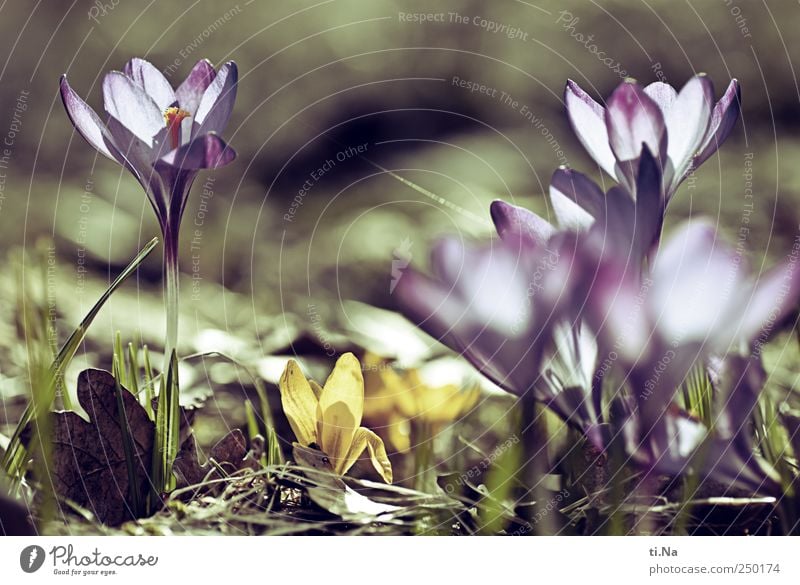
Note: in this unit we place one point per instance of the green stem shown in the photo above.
(171, 283)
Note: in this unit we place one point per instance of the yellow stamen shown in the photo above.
(173, 118)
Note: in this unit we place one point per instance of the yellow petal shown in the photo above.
(316, 388)
(366, 439)
(335, 428)
(299, 404)
(341, 407)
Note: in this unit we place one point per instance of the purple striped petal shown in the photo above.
(663, 94)
(687, 122)
(773, 297)
(217, 102)
(723, 118)
(191, 91)
(697, 279)
(129, 104)
(650, 204)
(633, 119)
(577, 201)
(152, 81)
(514, 223)
(588, 121)
(87, 122)
(204, 152)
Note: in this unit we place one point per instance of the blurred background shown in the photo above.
(288, 250)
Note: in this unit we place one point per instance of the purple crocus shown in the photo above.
(681, 129)
(506, 307)
(679, 443)
(164, 136)
(699, 301)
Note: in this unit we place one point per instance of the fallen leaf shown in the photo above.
(89, 465)
(230, 453)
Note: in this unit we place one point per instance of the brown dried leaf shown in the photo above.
(89, 465)
(230, 453)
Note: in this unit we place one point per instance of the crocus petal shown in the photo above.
(513, 222)
(366, 439)
(152, 81)
(633, 119)
(129, 104)
(650, 204)
(204, 152)
(299, 404)
(86, 121)
(663, 94)
(577, 200)
(687, 122)
(341, 406)
(568, 367)
(217, 102)
(190, 92)
(697, 281)
(723, 118)
(774, 296)
(588, 122)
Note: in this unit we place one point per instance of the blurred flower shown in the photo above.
(164, 137)
(328, 418)
(396, 398)
(509, 307)
(678, 443)
(681, 129)
(698, 303)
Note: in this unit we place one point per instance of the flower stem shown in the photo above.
(171, 278)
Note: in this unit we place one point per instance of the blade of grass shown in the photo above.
(15, 454)
(127, 439)
(167, 432)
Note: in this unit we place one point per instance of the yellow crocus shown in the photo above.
(329, 417)
(398, 397)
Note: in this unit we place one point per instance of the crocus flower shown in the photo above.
(506, 306)
(698, 302)
(681, 129)
(329, 417)
(398, 398)
(631, 221)
(164, 137)
(678, 444)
